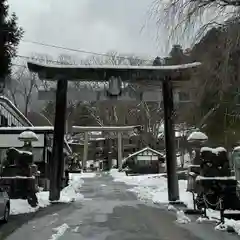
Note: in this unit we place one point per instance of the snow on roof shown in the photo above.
(15, 109)
(142, 150)
(197, 136)
(123, 67)
(102, 128)
(213, 150)
(31, 128)
(236, 148)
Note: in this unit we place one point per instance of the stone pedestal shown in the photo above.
(19, 177)
(215, 182)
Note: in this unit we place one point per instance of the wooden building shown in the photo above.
(146, 160)
(13, 122)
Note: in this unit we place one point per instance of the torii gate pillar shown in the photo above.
(169, 134)
(85, 152)
(57, 158)
(120, 151)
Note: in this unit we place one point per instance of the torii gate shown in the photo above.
(140, 75)
(118, 129)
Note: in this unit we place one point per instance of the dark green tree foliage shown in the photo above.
(10, 36)
(217, 86)
(157, 61)
(177, 56)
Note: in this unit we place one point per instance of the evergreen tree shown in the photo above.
(10, 36)
(176, 56)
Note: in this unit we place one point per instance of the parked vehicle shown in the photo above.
(4, 205)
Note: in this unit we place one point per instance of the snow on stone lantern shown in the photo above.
(196, 140)
(28, 137)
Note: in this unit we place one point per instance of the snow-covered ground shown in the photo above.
(70, 193)
(153, 187)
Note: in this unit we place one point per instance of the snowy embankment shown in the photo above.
(70, 193)
(153, 187)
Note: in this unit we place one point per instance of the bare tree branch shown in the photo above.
(185, 19)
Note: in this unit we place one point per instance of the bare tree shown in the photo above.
(149, 115)
(214, 30)
(11, 90)
(21, 86)
(190, 18)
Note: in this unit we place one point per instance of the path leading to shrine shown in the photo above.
(110, 212)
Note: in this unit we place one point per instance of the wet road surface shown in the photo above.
(110, 212)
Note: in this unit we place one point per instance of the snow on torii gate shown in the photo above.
(140, 75)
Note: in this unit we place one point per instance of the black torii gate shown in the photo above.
(140, 75)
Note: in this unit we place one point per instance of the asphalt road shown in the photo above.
(110, 212)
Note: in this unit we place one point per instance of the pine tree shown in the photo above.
(10, 36)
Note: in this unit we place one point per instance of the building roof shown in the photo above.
(28, 125)
(4, 100)
(142, 150)
(18, 130)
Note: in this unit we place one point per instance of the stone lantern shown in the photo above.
(197, 140)
(28, 137)
(20, 173)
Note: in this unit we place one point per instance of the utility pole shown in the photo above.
(57, 158)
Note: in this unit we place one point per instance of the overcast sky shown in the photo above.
(92, 25)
